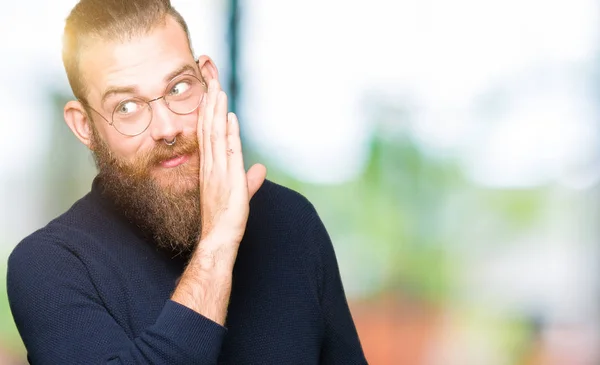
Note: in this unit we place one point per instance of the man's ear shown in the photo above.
(208, 69)
(77, 120)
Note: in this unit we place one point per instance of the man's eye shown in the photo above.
(128, 107)
(180, 88)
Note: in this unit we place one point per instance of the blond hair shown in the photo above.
(110, 20)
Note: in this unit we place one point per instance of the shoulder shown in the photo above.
(39, 270)
(275, 192)
(57, 257)
(40, 251)
(288, 219)
(45, 279)
(287, 205)
(64, 236)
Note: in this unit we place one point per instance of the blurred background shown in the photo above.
(451, 148)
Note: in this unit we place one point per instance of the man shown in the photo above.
(177, 255)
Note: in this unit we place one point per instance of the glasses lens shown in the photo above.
(183, 94)
(132, 116)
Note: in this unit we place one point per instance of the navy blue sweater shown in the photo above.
(90, 289)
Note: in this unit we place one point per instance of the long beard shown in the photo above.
(169, 215)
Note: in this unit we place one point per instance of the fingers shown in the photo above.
(200, 134)
(221, 146)
(207, 123)
(218, 137)
(257, 173)
(234, 146)
(256, 177)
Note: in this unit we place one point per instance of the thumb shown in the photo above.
(256, 176)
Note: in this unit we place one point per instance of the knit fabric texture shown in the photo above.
(89, 288)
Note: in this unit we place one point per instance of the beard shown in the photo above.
(167, 213)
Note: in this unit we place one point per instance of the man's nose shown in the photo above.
(165, 124)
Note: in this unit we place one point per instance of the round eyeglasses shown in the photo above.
(132, 116)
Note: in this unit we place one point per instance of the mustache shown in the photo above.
(184, 145)
(143, 163)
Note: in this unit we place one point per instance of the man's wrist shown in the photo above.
(205, 285)
(214, 256)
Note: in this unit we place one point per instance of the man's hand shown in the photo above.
(225, 193)
(225, 189)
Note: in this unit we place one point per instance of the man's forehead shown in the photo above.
(143, 60)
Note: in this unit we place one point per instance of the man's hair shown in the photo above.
(110, 20)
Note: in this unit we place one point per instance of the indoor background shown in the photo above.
(450, 147)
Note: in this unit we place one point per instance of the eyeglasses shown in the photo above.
(132, 116)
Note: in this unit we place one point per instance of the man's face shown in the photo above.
(142, 67)
(154, 184)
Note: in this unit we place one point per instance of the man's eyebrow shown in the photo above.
(179, 71)
(115, 90)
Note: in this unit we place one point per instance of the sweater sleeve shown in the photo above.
(341, 344)
(62, 320)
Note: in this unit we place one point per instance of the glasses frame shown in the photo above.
(112, 124)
